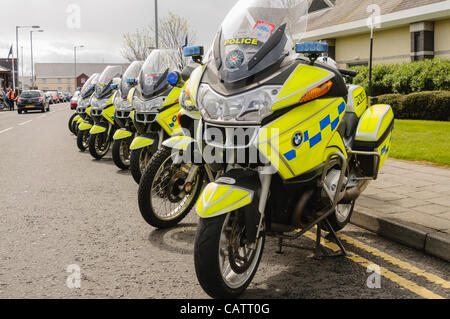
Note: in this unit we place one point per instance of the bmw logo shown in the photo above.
(297, 139)
(174, 119)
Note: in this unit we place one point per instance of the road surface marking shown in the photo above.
(21, 124)
(403, 282)
(8, 129)
(397, 262)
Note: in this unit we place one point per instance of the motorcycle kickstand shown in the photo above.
(320, 251)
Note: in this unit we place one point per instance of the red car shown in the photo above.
(74, 100)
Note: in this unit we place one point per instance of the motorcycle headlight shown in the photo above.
(251, 106)
(121, 104)
(99, 104)
(147, 106)
(84, 103)
(186, 101)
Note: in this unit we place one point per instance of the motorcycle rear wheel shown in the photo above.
(158, 190)
(211, 253)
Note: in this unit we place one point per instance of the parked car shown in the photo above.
(49, 97)
(74, 100)
(32, 101)
(68, 97)
(55, 97)
(61, 97)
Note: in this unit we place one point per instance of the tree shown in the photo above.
(137, 45)
(172, 34)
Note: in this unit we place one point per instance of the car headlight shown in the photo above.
(148, 106)
(186, 101)
(251, 106)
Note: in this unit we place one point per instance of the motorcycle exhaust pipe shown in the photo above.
(354, 193)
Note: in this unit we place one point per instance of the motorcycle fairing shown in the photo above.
(122, 134)
(76, 119)
(297, 142)
(167, 118)
(302, 80)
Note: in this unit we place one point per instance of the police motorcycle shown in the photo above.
(171, 183)
(103, 111)
(298, 145)
(124, 136)
(156, 107)
(83, 122)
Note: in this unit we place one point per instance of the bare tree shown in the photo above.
(173, 31)
(137, 45)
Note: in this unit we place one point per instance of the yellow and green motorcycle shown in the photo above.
(155, 105)
(84, 121)
(126, 131)
(297, 144)
(170, 186)
(103, 111)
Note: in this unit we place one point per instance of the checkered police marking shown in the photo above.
(324, 124)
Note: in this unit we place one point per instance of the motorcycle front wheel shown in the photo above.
(71, 126)
(163, 200)
(138, 162)
(225, 263)
(99, 145)
(83, 140)
(121, 153)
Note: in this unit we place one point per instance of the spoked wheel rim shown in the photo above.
(125, 153)
(236, 272)
(144, 159)
(343, 211)
(164, 200)
(101, 144)
(85, 139)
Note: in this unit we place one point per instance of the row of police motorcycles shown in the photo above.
(262, 135)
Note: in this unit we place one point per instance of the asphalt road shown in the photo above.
(59, 207)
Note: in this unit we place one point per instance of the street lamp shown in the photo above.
(17, 51)
(32, 63)
(75, 55)
(156, 24)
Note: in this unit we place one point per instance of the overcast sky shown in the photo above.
(102, 24)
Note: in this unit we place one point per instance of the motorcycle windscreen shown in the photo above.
(256, 34)
(132, 72)
(105, 80)
(153, 77)
(88, 87)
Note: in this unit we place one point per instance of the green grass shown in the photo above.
(422, 141)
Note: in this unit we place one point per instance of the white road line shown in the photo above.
(25, 122)
(8, 129)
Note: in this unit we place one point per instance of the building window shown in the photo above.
(59, 80)
(59, 89)
(318, 5)
(69, 80)
(44, 81)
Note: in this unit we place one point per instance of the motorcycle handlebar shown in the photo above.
(348, 72)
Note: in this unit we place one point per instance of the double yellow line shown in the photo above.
(405, 283)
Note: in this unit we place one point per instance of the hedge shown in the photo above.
(406, 78)
(432, 106)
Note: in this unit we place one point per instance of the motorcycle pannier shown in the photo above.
(373, 138)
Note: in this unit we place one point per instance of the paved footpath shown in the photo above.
(409, 203)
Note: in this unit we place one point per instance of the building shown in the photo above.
(409, 30)
(6, 78)
(60, 76)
